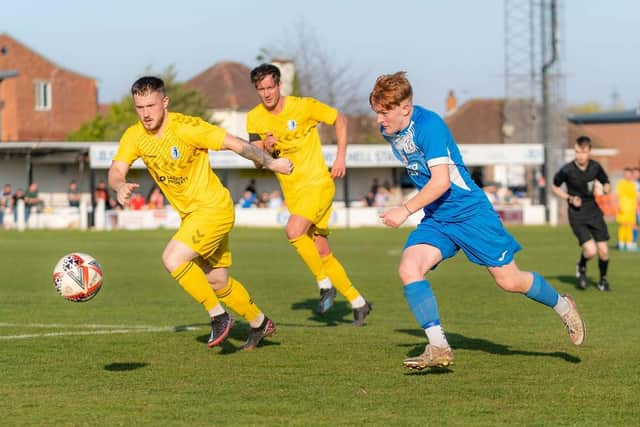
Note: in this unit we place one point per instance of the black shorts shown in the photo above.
(591, 227)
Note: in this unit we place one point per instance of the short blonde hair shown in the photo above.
(391, 90)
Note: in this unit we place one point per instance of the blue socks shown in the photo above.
(542, 291)
(422, 302)
(424, 306)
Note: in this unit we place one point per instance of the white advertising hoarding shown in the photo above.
(358, 156)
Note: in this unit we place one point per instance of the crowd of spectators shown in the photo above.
(382, 195)
(34, 203)
(251, 199)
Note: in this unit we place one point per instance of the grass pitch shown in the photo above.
(137, 353)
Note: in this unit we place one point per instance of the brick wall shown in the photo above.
(625, 137)
(73, 96)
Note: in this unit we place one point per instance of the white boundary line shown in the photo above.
(97, 330)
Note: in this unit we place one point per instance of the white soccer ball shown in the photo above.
(77, 277)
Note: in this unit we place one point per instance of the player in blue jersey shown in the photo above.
(457, 215)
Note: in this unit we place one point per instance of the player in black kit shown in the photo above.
(585, 216)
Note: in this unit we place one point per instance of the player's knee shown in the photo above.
(512, 283)
(409, 272)
(170, 262)
(294, 232)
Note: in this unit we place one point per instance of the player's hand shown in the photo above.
(395, 217)
(339, 168)
(124, 192)
(281, 165)
(576, 201)
(269, 142)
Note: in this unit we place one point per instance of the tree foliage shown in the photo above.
(586, 108)
(318, 74)
(122, 114)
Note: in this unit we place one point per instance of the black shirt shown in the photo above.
(580, 183)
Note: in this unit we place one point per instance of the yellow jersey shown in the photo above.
(178, 161)
(295, 128)
(627, 193)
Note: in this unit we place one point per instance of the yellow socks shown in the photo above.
(236, 297)
(625, 234)
(341, 281)
(309, 253)
(194, 281)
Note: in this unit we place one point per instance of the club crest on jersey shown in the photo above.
(291, 124)
(405, 143)
(175, 154)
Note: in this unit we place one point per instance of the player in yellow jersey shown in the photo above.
(627, 193)
(287, 126)
(175, 149)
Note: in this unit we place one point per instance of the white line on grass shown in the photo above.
(99, 330)
(86, 326)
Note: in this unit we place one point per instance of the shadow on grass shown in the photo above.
(570, 280)
(333, 317)
(124, 366)
(429, 371)
(458, 341)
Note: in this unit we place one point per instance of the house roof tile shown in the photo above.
(226, 85)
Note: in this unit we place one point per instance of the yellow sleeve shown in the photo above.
(321, 112)
(128, 147)
(200, 134)
(251, 126)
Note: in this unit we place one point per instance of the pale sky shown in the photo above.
(442, 44)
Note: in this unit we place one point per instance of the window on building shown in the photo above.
(43, 95)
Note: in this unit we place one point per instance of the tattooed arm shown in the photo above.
(257, 155)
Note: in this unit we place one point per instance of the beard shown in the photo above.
(155, 126)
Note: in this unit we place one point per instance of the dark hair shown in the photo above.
(264, 70)
(147, 84)
(583, 140)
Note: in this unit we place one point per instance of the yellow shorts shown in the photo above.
(314, 203)
(207, 233)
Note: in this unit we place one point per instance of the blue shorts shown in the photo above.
(482, 238)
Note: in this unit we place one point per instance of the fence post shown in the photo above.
(99, 215)
(20, 211)
(84, 214)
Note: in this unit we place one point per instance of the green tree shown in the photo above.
(122, 114)
(586, 108)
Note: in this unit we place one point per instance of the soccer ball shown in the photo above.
(77, 277)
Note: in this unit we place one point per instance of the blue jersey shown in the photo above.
(427, 142)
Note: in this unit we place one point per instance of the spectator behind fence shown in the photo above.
(32, 201)
(375, 184)
(381, 198)
(275, 199)
(251, 186)
(263, 200)
(73, 196)
(369, 199)
(247, 200)
(6, 203)
(156, 198)
(491, 191)
(100, 193)
(137, 201)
